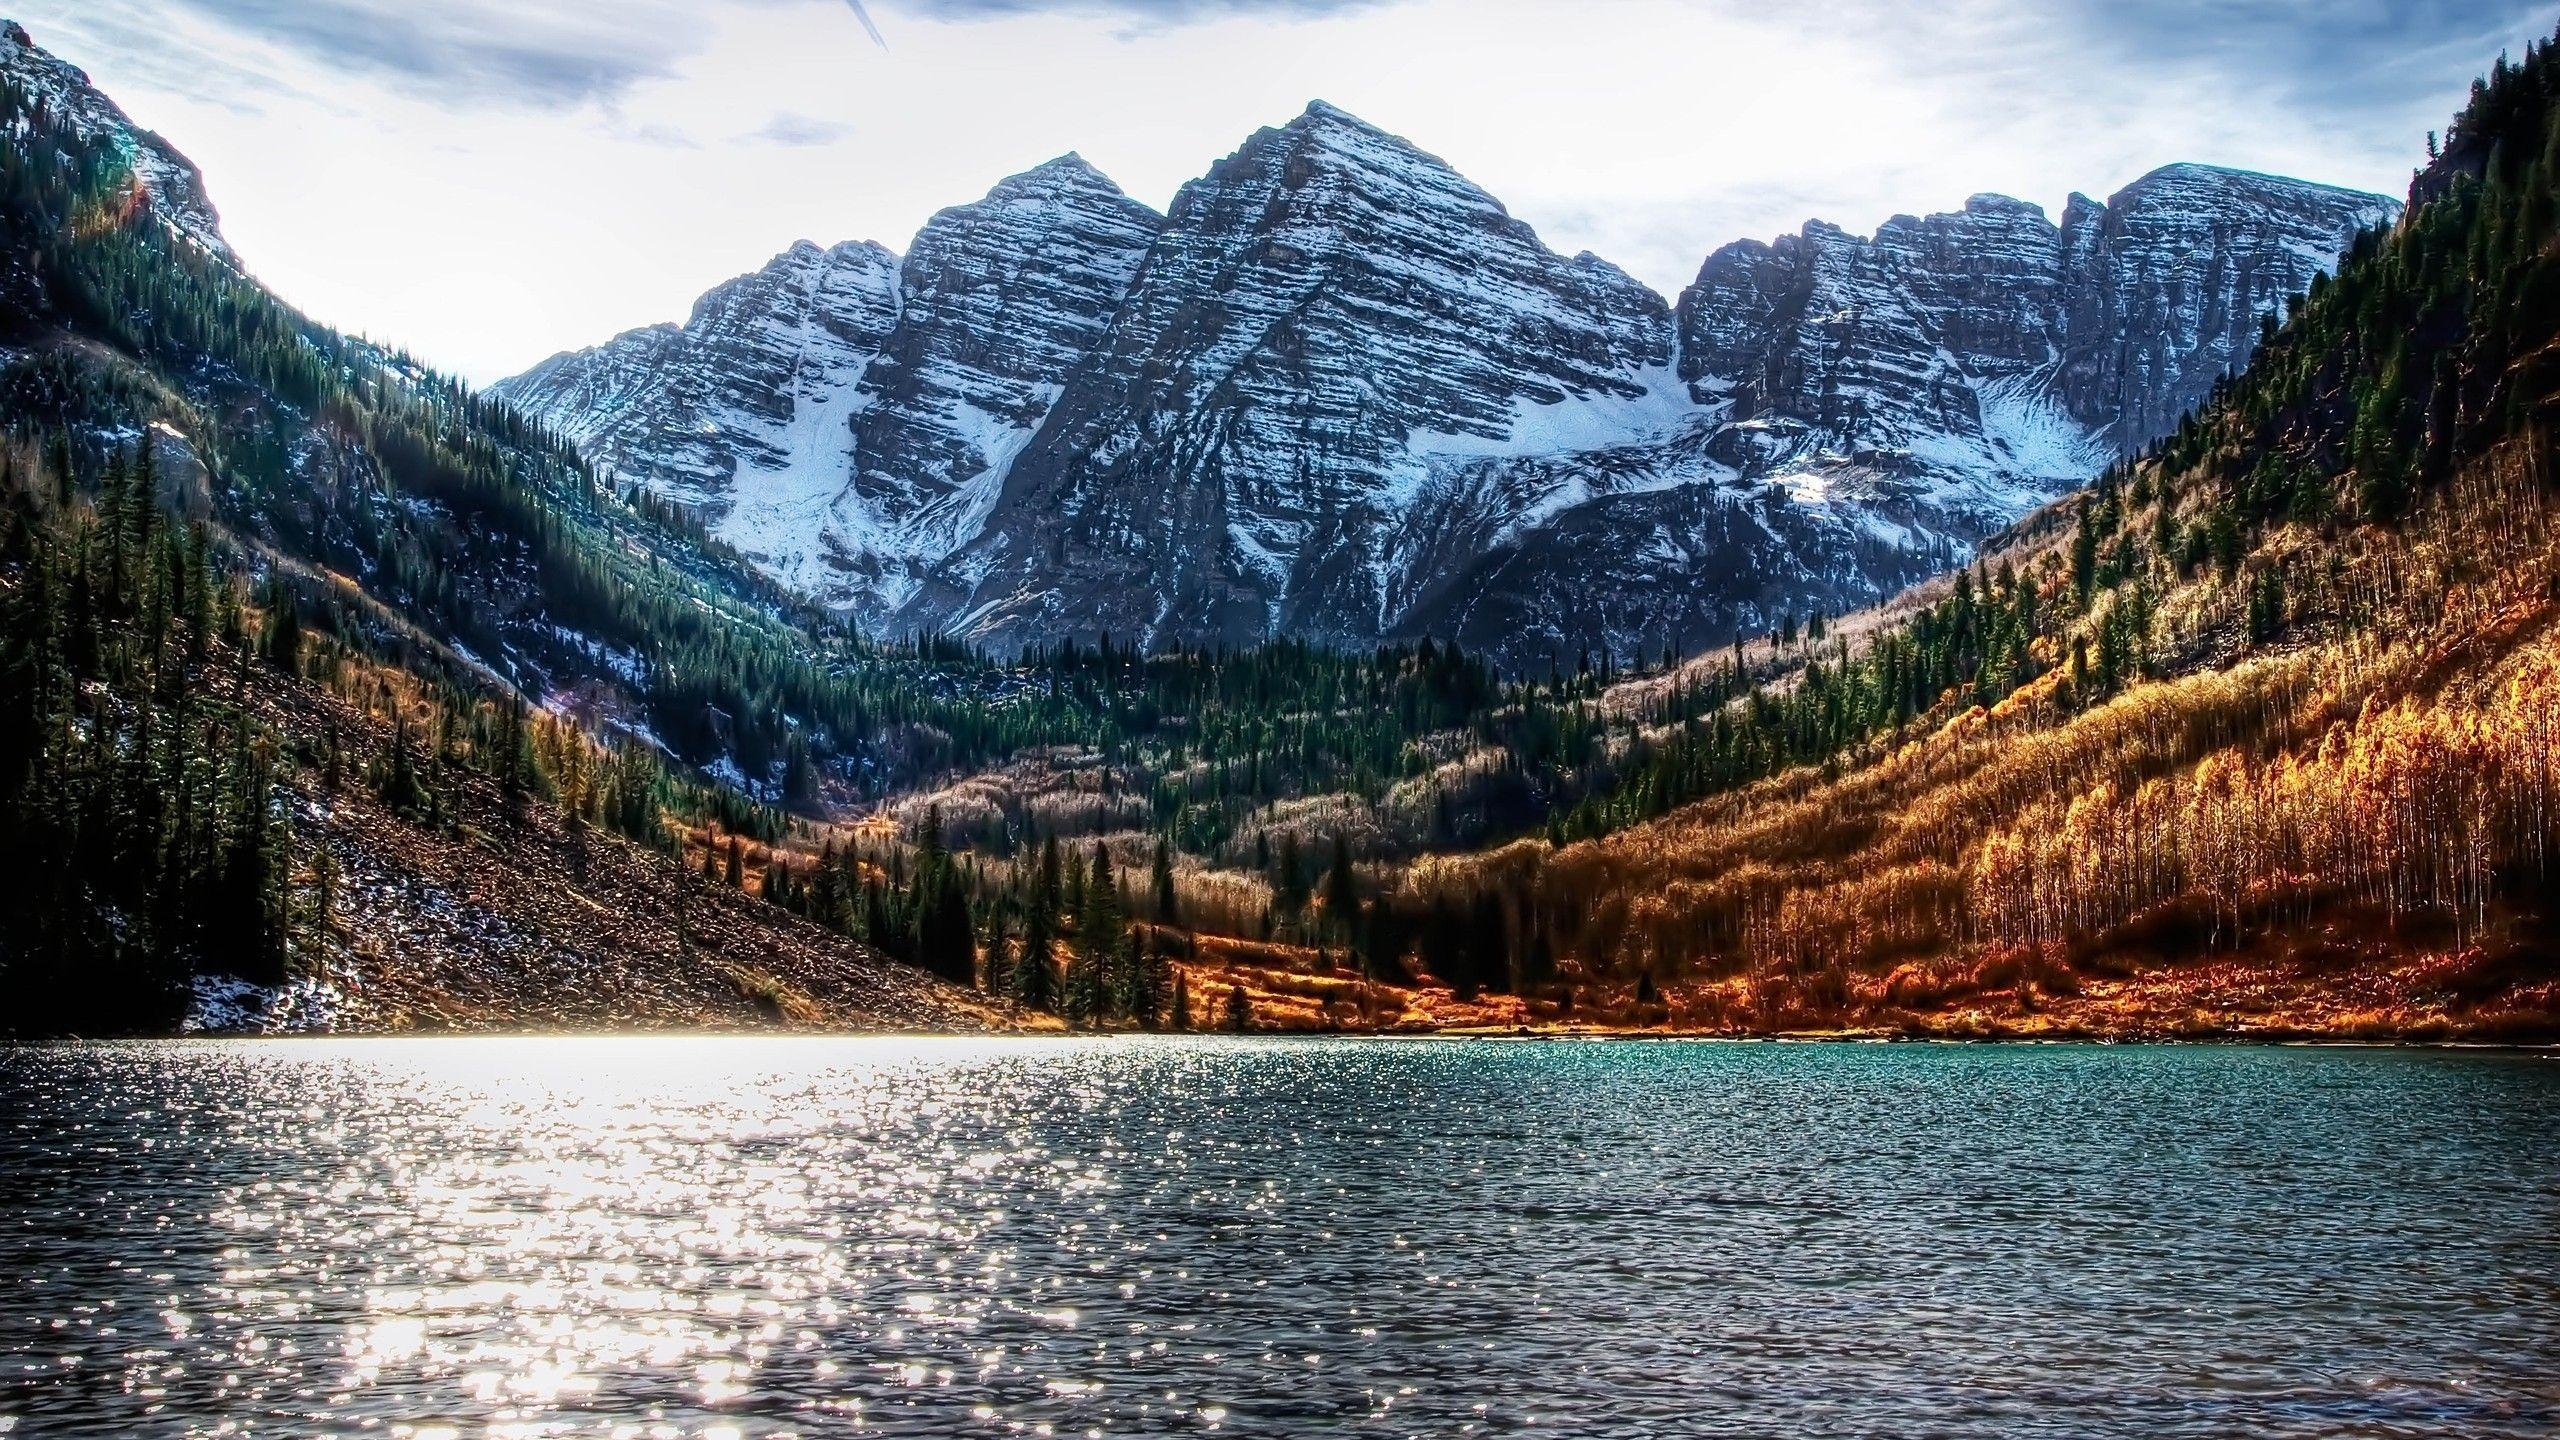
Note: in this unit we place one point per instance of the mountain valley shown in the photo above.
(1319, 607)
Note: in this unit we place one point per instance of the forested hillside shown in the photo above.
(2259, 733)
(213, 504)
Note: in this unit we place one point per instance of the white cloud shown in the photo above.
(798, 131)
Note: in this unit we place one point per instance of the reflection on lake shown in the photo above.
(853, 1237)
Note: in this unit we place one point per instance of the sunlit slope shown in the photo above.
(2259, 733)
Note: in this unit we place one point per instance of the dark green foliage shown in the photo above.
(1034, 979)
(1139, 980)
(1289, 885)
(400, 784)
(941, 936)
(1973, 646)
(1383, 943)
(1341, 889)
(142, 827)
(1160, 877)
(1087, 997)
(280, 636)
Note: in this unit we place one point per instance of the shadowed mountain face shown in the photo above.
(1339, 393)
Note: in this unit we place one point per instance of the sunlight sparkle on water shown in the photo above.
(694, 1238)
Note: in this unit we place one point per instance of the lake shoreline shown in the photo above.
(2207, 1001)
(1858, 1037)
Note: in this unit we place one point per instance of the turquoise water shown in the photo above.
(816, 1238)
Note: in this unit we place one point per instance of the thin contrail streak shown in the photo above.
(867, 27)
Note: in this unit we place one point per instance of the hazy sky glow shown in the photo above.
(487, 181)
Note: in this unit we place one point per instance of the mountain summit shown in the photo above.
(1340, 393)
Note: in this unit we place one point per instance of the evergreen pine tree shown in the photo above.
(1167, 903)
(1341, 889)
(280, 637)
(1289, 889)
(1034, 979)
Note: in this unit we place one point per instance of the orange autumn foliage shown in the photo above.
(2400, 770)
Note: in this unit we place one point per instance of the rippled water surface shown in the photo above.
(815, 1238)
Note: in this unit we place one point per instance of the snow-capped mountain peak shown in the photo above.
(1339, 391)
(843, 414)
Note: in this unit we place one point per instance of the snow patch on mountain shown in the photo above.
(847, 418)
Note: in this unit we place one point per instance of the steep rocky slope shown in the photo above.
(1340, 393)
(759, 382)
(846, 418)
(512, 917)
(167, 184)
(1875, 407)
(1979, 361)
(1331, 323)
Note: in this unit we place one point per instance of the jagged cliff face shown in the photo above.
(845, 418)
(1329, 320)
(1976, 363)
(1339, 393)
(165, 182)
(1004, 299)
(2180, 267)
(743, 412)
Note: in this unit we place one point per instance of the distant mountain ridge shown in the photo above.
(1340, 393)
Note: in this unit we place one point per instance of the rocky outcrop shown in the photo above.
(160, 179)
(2179, 268)
(744, 413)
(1981, 362)
(1003, 300)
(1329, 322)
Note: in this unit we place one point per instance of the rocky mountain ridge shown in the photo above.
(164, 183)
(1338, 392)
(838, 414)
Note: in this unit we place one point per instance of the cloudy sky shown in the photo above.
(488, 181)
